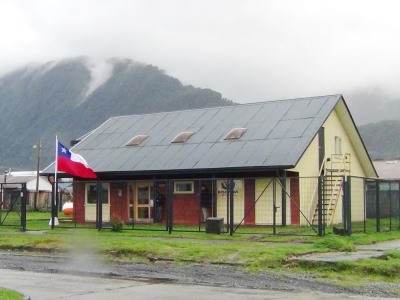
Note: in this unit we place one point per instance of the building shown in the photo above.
(13, 182)
(273, 150)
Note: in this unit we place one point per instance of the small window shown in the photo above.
(182, 137)
(338, 145)
(235, 133)
(137, 140)
(183, 187)
(91, 193)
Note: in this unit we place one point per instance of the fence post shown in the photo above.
(347, 205)
(54, 204)
(99, 203)
(378, 210)
(320, 207)
(23, 206)
(274, 208)
(231, 210)
(169, 206)
(284, 199)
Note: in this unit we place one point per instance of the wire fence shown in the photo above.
(284, 206)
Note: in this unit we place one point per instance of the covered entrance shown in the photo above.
(141, 201)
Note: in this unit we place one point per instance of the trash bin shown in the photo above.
(215, 225)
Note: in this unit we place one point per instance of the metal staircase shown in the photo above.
(337, 167)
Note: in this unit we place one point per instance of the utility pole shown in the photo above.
(38, 147)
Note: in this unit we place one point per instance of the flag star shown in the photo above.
(63, 150)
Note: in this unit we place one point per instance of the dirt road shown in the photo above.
(90, 266)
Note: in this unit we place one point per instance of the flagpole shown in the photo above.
(54, 202)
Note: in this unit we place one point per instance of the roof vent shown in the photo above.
(137, 140)
(235, 134)
(182, 137)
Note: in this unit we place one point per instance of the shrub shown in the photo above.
(116, 223)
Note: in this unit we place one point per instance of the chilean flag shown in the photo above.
(73, 163)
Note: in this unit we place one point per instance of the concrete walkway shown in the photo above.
(362, 252)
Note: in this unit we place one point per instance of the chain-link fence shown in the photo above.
(287, 205)
(374, 205)
(13, 205)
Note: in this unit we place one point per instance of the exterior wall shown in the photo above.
(357, 195)
(79, 201)
(238, 200)
(264, 206)
(186, 208)
(334, 127)
(119, 204)
(249, 198)
(308, 164)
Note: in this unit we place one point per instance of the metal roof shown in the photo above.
(278, 133)
(388, 169)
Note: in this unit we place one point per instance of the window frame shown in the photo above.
(87, 189)
(191, 182)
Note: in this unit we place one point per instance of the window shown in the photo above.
(182, 137)
(338, 145)
(183, 187)
(137, 140)
(235, 134)
(91, 193)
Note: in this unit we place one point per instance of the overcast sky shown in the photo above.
(249, 50)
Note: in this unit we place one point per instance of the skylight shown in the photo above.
(182, 137)
(235, 134)
(137, 140)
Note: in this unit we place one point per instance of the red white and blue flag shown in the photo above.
(72, 163)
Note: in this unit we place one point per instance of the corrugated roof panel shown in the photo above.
(263, 148)
(133, 158)
(298, 127)
(283, 153)
(178, 156)
(151, 155)
(259, 131)
(113, 161)
(159, 161)
(265, 112)
(281, 129)
(312, 108)
(296, 110)
(230, 152)
(279, 111)
(107, 140)
(277, 134)
(209, 159)
(244, 153)
(199, 152)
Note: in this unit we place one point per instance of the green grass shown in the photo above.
(252, 248)
(6, 294)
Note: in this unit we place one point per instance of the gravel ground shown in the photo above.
(88, 265)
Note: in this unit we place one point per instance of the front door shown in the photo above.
(144, 201)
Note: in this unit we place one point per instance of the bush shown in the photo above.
(116, 224)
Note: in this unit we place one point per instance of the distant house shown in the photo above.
(387, 169)
(294, 141)
(13, 183)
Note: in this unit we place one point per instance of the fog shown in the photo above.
(247, 50)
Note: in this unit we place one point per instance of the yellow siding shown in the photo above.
(334, 127)
(264, 205)
(357, 200)
(238, 200)
(308, 164)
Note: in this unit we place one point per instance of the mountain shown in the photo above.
(70, 97)
(382, 139)
(372, 105)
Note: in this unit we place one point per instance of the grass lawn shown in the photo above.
(254, 249)
(6, 294)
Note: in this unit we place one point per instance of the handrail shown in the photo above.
(313, 197)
